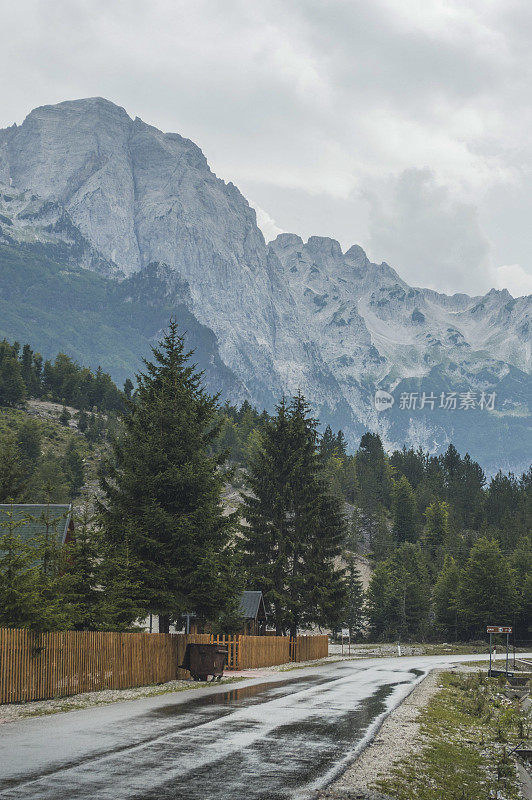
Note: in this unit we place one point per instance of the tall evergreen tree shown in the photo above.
(73, 466)
(163, 491)
(83, 572)
(381, 537)
(446, 598)
(19, 597)
(54, 610)
(436, 529)
(486, 589)
(12, 389)
(328, 444)
(12, 470)
(381, 607)
(354, 606)
(266, 540)
(405, 523)
(399, 595)
(373, 473)
(123, 596)
(296, 529)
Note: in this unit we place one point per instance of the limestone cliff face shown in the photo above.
(123, 195)
(142, 196)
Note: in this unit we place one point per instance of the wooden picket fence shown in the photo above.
(38, 666)
(309, 648)
(233, 650)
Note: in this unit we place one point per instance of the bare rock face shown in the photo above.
(286, 316)
(142, 196)
(26, 219)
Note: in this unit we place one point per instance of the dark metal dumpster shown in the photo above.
(203, 660)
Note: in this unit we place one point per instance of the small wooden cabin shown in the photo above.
(253, 610)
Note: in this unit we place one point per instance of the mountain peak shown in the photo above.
(82, 104)
(325, 246)
(287, 316)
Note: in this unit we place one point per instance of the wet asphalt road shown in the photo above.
(269, 739)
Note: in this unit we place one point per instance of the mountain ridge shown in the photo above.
(286, 315)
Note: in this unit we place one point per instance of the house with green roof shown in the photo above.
(34, 520)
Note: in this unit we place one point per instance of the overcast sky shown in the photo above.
(400, 125)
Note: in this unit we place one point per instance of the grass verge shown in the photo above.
(468, 732)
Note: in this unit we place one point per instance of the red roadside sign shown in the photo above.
(498, 629)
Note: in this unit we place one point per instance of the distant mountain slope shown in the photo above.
(84, 185)
(97, 321)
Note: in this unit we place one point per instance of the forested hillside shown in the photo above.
(450, 550)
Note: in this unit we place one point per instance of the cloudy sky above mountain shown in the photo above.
(399, 125)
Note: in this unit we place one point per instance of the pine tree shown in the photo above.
(354, 599)
(381, 608)
(437, 528)
(405, 522)
(399, 596)
(128, 388)
(324, 585)
(341, 444)
(163, 493)
(446, 598)
(29, 443)
(328, 444)
(19, 597)
(316, 589)
(228, 440)
(12, 470)
(73, 466)
(412, 588)
(266, 539)
(122, 599)
(381, 538)
(83, 561)
(12, 389)
(64, 416)
(83, 421)
(296, 529)
(53, 611)
(373, 473)
(252, 445)
(486, 589)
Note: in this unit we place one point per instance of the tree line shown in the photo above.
(24, 374)
(450, 551)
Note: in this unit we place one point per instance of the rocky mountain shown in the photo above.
(83, 184)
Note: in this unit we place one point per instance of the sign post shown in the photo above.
(346, 633)
(491, 629)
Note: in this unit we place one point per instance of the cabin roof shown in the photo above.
(250, 605)
(31, 519)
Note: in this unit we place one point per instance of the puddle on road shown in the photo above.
(244, 696)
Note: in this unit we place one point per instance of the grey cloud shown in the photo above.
(305, 104)
(430, 237)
